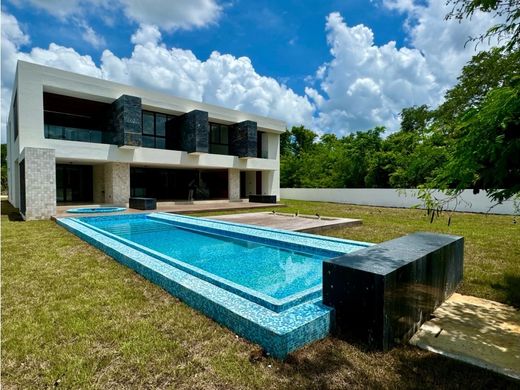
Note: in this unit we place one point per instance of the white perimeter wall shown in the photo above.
(393, 198)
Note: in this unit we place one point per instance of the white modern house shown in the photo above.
(73, 139)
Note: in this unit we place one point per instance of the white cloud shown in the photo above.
(146, 34)
(91, 36)
(58, 8)
(170, 15)
(221, 79)
(13, 39)
(365, 85)
(167, 14)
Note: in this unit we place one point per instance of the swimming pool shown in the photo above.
(264, 284)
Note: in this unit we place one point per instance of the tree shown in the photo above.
(486, 151)
(484, 72)
(507, 31)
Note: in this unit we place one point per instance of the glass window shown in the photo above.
(160, 125)
(55, 132)
(148, 142)
(15, 116)
(160, 143)
(224, 138)
(214, 133)
(148, 123)
(96, 136)
(219, 138)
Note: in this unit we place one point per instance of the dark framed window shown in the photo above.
(15, 116)
(154, 129)
(218, 138)
(73, 119)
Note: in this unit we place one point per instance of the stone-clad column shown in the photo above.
(189, 132)
(243, 139)
(125, 121)
(40, 183)
(117, 183)
(234, 184)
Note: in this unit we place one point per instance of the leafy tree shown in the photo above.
(486, 149)
(415, 119)
(507, 31)
(303, 139)
(485, 71)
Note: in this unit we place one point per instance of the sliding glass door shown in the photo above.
(73, 183)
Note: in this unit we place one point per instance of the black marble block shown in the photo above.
(189, 132)
(262, 198)
(382, 294)
(125, 122)
(243, 139)
(142, 203)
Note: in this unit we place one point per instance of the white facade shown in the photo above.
(111, 164)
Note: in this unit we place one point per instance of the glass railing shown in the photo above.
(74, 134)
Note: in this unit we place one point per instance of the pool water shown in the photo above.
(92, 210)
(271, 270)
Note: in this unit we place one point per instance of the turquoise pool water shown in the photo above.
(271, 270)
(93, 210)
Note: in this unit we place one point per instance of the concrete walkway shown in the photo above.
(476, 331)
(300, 223)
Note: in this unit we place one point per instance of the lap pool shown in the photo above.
(264, 284)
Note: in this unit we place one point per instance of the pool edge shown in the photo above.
(278, 333)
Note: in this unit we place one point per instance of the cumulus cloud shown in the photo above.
(221, 79)
(146, 33)
(365, 85)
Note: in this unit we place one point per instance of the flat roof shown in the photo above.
(50, 78)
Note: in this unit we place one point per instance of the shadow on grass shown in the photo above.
(12, 213)
(511, 288)
(335, 364)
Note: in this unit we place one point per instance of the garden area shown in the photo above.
(75, 318)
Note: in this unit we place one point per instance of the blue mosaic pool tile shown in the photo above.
(278, 333)
(255, 296)
(304, 242)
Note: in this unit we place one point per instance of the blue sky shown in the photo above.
(334, 66)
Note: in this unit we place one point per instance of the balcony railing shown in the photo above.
(73, 134)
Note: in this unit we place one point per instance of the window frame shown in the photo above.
(222, 141)
(155, 135)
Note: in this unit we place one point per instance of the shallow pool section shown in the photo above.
(93, 210)
(264, 284)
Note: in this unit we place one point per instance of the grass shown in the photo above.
(74, 318)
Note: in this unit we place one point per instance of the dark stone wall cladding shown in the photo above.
(243, 139)
(382, 294)
(189, 132)
(124, 121)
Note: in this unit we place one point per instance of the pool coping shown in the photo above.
(278, 333)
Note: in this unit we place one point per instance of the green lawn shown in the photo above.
(74, 318)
